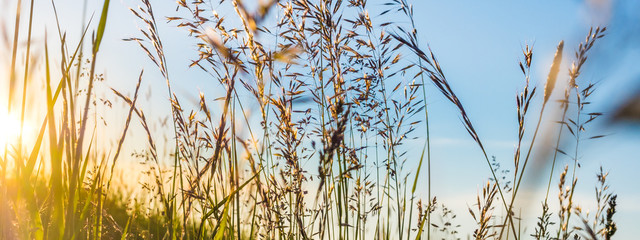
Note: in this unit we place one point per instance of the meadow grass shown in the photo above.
(331, 87)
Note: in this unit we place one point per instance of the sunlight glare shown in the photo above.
(10, 130)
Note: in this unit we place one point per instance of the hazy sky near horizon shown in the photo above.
(478, 44)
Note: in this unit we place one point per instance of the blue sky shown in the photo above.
(478, 44)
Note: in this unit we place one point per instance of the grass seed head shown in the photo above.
(553, 73)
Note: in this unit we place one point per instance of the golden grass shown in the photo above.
(336, 89)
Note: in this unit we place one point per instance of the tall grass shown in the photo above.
(334, 87)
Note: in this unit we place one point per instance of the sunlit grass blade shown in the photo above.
(57, 230)
(101, 26)
(222, 225)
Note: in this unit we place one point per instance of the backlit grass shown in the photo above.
(311, 137)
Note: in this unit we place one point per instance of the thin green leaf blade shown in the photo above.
(101, 26)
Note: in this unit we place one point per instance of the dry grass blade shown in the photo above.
(132, 104)
(553, 73)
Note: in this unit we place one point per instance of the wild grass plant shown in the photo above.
(338, 94)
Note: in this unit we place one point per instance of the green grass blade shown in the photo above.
(101, 26)
(223, 223)
(415, 181)
(232, 194)
(126, 228)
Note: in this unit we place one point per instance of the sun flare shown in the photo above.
(10, 130)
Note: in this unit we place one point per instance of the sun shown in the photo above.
(10, 130)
